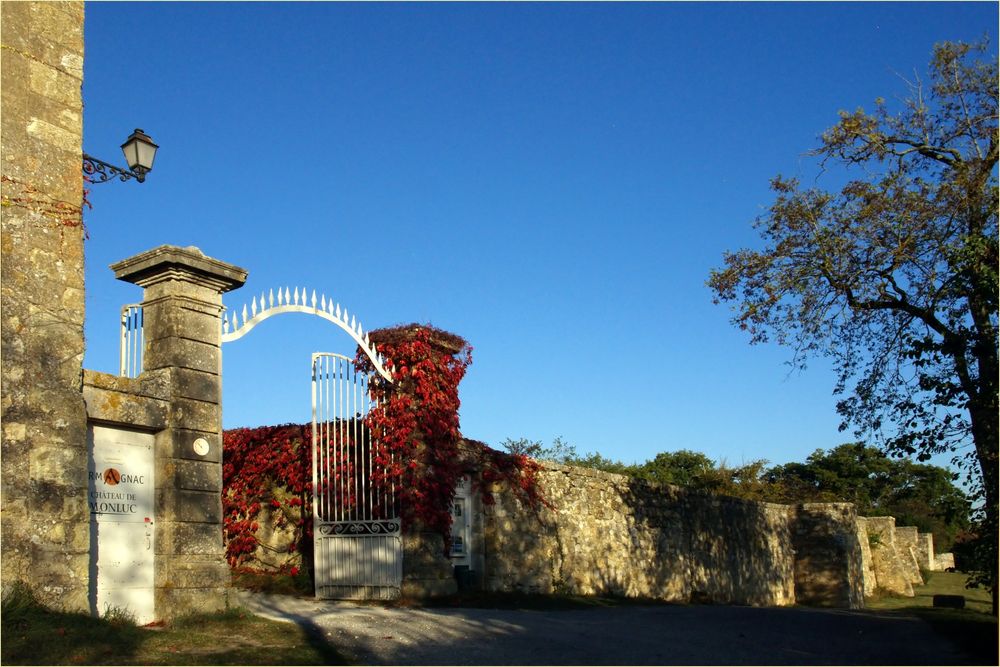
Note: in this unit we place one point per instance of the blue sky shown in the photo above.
(552, 182)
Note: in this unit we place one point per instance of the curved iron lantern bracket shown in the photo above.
(99, 171)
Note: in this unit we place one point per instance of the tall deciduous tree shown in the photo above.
(894, 277)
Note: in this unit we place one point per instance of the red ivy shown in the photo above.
(255, 462)
(517, 470)
(415, 423)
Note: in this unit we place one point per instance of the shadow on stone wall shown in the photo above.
(612, 535)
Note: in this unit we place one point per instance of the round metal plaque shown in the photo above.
(201, 446)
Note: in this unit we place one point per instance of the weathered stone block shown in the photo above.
(56, 22)
(195, 506)
(175, 318)
(60, 466)
(53, 83)
(175, 538)
(949, 601)
(186, 413)
(151, 384)
(175, 352)
(198, 385)
(190, 475)
(14, 431)
(171, 271)
(193, 572)
(173, 602)
(124, 407)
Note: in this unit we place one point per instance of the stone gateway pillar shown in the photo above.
(182, 306)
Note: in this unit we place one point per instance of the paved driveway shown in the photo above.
(626, 635)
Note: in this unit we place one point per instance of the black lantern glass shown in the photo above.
(139, 151)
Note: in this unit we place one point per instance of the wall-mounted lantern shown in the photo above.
(139, 151)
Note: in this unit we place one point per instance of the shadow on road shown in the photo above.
(623, 635)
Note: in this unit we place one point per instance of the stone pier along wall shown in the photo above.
(182, 303)
(907, 546)
(892, 571)
(613, 535)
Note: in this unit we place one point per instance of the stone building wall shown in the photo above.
(45, 520)
(610, 534)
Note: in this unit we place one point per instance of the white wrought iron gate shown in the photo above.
(357, 543)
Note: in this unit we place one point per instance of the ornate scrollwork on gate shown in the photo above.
(355, 528)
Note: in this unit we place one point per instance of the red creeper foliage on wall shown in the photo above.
(517, 471)
(415, 424)
(266, 465)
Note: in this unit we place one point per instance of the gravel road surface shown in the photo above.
(623, 635)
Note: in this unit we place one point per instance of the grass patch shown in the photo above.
(936, 583)
(35, 635)
(973, 629)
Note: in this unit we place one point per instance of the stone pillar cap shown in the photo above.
(170, 262)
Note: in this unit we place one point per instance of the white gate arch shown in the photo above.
(295, 302)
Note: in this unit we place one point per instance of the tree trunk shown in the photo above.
(983, 411)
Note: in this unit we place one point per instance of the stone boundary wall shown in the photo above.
(614, 535)
(609, 534)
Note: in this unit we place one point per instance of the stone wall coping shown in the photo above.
(618, 478)
(837, 505)
(879, 518)
(173, 262)
(154, 384)
(141, 402)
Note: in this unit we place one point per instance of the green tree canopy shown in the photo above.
(683, 468)
(562, 452)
